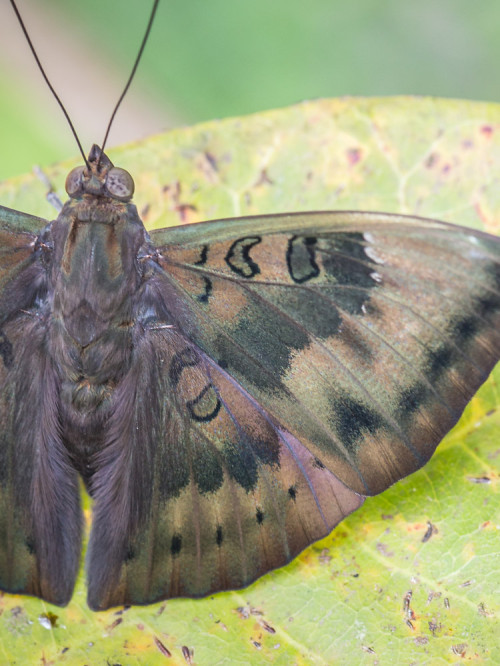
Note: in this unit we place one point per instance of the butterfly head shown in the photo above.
(100, 178)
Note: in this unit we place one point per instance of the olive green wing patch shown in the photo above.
(199, 490)
(363, 335)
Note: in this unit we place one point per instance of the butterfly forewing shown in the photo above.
(363, 335)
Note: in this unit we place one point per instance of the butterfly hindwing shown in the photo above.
(40, 520)
(364, 335)
(199, 490)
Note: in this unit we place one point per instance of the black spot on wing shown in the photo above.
(6, 350)
(466, 328)
(176, 544)
(206, 467)
(488, 305)
(439, 361)
(238, 257)
(219, 537)
(241, 465)
(244, 456)
(352, 420)
(292, 493)
(318, 464)
(301, 258)
(411, 400)
(259, 516)
(30, 545)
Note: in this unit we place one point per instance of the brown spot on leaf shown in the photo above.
(460, 649)
(431, 160)
(421, 640)
(267, 627)
(187, 653)
(383, 550)
(353, 156)
(434, 627)
(114, 624)
(263, 179)
(479, 479)
(51, 617)
(161, 647)
(324, 556)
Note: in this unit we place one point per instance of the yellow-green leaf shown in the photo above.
(412, 577)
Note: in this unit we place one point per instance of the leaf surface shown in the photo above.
(345, 599)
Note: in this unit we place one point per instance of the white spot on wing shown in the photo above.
(371, 253)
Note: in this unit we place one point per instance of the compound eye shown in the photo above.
(120, 184)
(74, 182)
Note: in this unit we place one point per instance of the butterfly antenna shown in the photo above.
(35, 55)
(132, 74)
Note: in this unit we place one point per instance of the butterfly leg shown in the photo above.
(51, 195)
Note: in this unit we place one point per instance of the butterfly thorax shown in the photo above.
(95, 276)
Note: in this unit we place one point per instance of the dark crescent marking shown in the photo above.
(191, 404)
(203, 256)
(243, 245)
(203, 298)
(307, 243)
(187, 358)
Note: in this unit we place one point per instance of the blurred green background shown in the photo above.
(210, 59)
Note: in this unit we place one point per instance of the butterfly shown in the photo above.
(228, 391)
